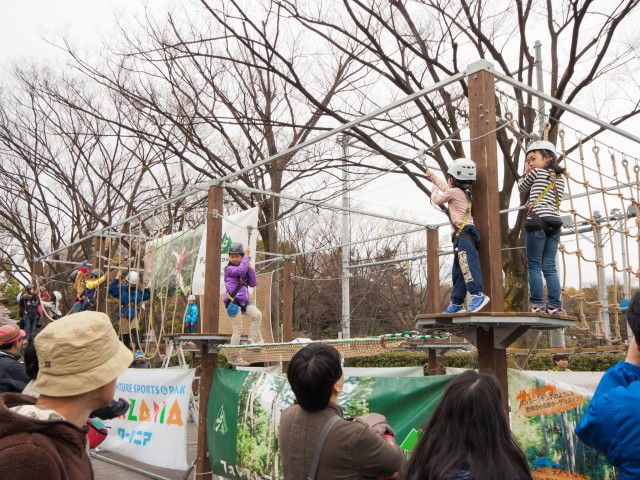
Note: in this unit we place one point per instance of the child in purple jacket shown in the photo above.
(239, 275)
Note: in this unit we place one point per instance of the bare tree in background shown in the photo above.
(407, 46)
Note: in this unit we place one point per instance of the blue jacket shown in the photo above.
(129, 297)
(611, 423)
(192, 313)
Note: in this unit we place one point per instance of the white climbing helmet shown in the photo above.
(542, 145)
(132, 278)
(192, 297)
(462, 169)
(58, 295)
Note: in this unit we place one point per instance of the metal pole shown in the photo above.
(538, 53)
(126, 466)
(346, 239)
(602, 280)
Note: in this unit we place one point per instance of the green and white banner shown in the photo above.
(235, 228)
(244, 411)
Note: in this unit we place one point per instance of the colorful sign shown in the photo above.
(545, 415)
(244, 411)
(170, 261)
(235, 228)
(153, 430)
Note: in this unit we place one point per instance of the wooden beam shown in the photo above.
(36, 271)
(433, 271)
(210, 322)
(486, 215)
(211, 300)
(435, 362)
(208, 366)
(486, 194)
(287, 301)
(100, 248)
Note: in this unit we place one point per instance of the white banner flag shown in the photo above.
(153, 430)
(234, 229)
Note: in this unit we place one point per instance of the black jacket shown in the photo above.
(12, 375)
(29, 305)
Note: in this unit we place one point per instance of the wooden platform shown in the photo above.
(507, 326)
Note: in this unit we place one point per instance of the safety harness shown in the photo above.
(464, 221)
(552, 184)
(231, 297)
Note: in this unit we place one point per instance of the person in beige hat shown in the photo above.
(79, 359)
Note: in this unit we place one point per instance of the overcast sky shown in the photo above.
(25, 26)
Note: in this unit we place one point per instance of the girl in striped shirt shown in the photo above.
(544, 182)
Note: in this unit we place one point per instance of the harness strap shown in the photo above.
(552, 184)
(464, 220)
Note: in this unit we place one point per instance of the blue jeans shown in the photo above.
(191, 327)
(30, 323)
(541, 259)
(466, 274)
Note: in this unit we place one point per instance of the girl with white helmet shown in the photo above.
(191, 317)
(465, 274)
(544, 183)
(239, 275)
(51, 304)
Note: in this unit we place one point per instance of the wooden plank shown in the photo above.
(493, 314)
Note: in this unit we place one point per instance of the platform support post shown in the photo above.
(210, 323)
(486, 210)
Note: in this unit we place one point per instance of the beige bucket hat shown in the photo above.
(77, 354)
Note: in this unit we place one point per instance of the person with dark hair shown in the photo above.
(544, 183)
(560, 362)
(13, 377)
(315, 440)
(466, 274)
(467, 436)
(29, 305)
(610, 424)
(79, 360)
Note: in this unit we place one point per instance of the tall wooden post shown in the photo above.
(433, 291)
(36, 271)
(100, 247)
(287, 301)
(486, 209)
(210, 322)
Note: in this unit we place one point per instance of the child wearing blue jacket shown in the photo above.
(130, 298)
(191, 318)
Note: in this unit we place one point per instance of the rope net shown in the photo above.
(243, 355)
(600, 246)
(610, 208)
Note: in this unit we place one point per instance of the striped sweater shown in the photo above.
(443, 193)
(535, 183)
